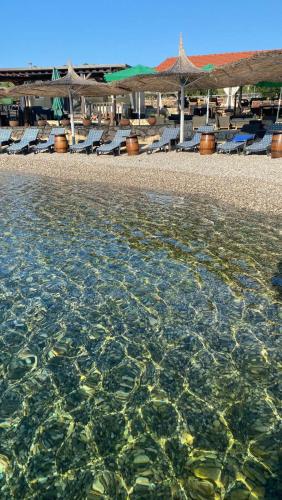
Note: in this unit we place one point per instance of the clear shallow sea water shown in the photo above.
(139, 346)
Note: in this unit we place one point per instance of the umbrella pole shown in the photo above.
(71, 118)
(208, 108)
(139, 106)
(279, 105)
(182, 88)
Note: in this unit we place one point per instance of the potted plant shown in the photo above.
(13, 122)
(41, 122)
(86, 120)
(124, 121)
(152, 120)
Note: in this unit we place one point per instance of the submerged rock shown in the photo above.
(161, 417)
(199, 490)
(106, 485)
(4, 465)
(24, 363)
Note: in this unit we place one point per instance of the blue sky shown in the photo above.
(128, 31)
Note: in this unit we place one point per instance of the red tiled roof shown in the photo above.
(215, 59)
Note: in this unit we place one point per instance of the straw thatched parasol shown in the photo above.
(180, 74)
(67, 86)
(262, 66)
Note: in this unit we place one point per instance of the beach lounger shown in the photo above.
(115, 145)
(164, 143)
(237, 144)
(49, 144)
(93, 139)
(193, 143)
(262, 146)
(5, 137)
(275, 126)
(29, 137)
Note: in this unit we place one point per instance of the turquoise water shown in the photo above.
(139, 346)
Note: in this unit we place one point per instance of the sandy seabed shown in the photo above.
(251, 182)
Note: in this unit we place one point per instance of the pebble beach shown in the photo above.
(247, 182)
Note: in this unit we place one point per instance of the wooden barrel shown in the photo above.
(207, 144)
(61, 143)
(276, 145)
(132, 145)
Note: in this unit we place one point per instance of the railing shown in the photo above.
(106, 109)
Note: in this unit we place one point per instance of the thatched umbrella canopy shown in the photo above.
(67, 86)
(262, 66)
(61, 87)
(180, 74)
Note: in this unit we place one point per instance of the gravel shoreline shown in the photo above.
(251, 182)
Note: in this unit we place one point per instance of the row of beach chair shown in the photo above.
(240, 142)
(29, 137)
(28, 142)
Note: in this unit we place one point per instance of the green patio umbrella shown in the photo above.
(208, 67)
(273, 85)
(58, 102)
(269, 84)
(129, 72)
(137, 70)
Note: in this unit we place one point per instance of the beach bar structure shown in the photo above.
(31, 74)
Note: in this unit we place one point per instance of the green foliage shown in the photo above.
(272, 92)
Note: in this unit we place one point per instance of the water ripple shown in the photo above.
(139, 346)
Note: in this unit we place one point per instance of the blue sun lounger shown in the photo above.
(164, 143)
(29, 137)
(49, 144)
(238, 143)
(5, 137)
(193, 144)
(93, 139)
(262, 146)
(275, 126)
(115, 145)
